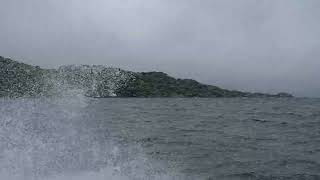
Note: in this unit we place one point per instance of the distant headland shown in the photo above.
(23, 80)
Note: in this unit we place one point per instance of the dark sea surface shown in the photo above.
(160, 139)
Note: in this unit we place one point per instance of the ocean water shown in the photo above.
(82, 138)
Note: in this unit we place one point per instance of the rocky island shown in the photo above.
(23, 80)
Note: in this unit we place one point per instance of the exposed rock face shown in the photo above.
(22, 80)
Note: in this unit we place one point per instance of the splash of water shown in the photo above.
(93, 81)
(22, 80)
(56, 139)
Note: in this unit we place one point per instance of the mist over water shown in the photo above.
(159, 139)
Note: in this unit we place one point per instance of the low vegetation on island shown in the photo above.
(23, 80)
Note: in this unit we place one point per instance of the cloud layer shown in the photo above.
(254, 45)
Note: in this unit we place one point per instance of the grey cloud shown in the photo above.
(254, 45)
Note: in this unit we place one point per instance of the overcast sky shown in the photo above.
(253, 45)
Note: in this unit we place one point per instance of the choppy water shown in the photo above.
(161, 139)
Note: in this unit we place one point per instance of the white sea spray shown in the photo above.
(88, 80)
(56, 139)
